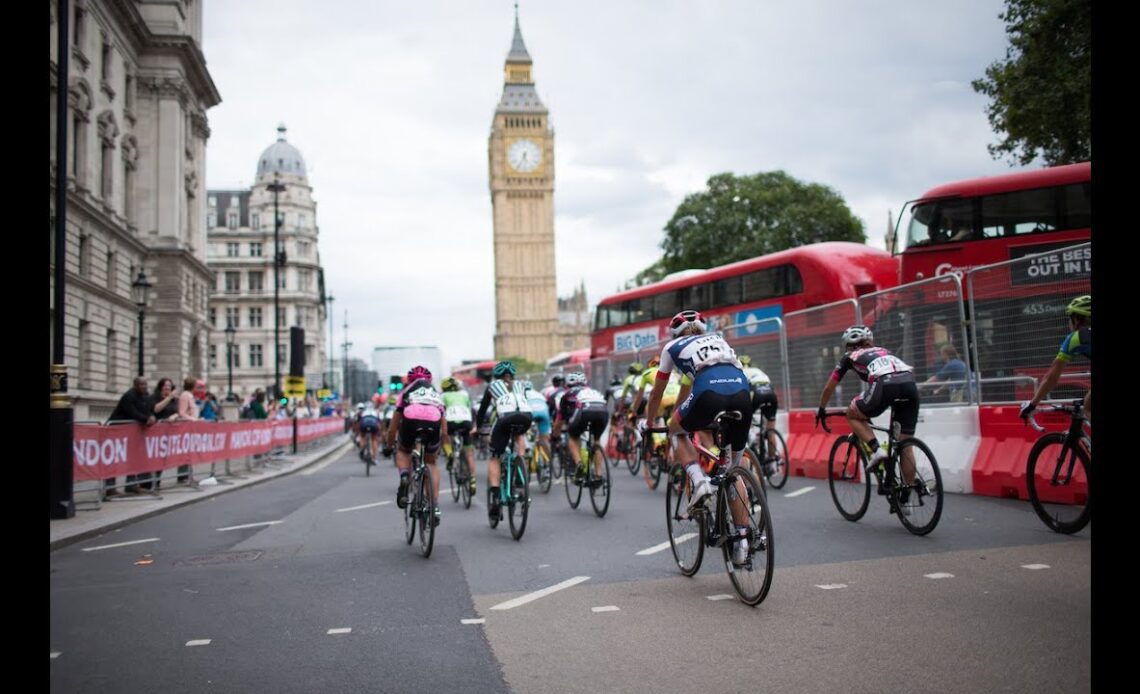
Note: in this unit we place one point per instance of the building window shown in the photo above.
(255, 356)
(112, 361)
(106, 64)
(304, 280)
(84, 254)
(211, 220)
(232, 219)
(281, 279)
(80, 28)
(255, 317)
(303, 249)
(213, 357)
(213, 201)
(282, 353)
(232, 250)
(112, 278)
(213, 318)
(233, 283)
(255, 282)
(232, 318)
(255, 249)
(256, 220)
(236, 356)
(84, 367)
(106, 169)
(301, 220)
(281, 315)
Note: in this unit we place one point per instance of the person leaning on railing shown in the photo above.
(133, 405)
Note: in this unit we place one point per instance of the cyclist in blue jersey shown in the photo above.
(1078, 341)
(712, 381)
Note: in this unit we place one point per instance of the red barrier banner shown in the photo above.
(312, 429)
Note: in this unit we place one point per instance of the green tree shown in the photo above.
(740, 217)
(1041, 93)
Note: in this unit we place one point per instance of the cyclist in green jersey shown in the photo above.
(1078, 341)
(457, 411)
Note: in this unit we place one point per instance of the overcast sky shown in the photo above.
(391, 105)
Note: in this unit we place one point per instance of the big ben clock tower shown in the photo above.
(521, 159)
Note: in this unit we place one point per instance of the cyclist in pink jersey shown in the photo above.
(419, 412)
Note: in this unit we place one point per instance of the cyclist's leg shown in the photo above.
(906, 414)
(859, 413)
(597, 426)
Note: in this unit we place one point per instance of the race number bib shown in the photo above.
(588, 396)
(708, 350)
(886, 364)
(425, 396)
(458, 413)
(507, 402)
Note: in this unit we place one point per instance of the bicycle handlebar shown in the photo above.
(834, 413)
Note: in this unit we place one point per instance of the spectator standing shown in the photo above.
(164, 404)
(953, 370)
(133, 405)
(257, 407)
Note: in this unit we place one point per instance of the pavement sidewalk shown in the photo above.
(91, 520)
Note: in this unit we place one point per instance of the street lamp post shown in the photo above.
(347, 391)
(139, 290)
(330, 298)
(230, 333)
(278, 260)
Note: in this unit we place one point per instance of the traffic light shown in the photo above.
(296, 351)
(284, 401)
(395, 383)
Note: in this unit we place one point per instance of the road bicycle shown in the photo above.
(738, 498)
(420, 507)
(599, 484)
(540, 465)
(458, 473)
(773, 464)
(653, 455)
(1058, 471)
(917, 504)
(514, 489)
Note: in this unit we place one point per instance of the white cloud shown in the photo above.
(391, 105)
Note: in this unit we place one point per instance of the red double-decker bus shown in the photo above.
(474, 374)
(742, 292)
(980, 221)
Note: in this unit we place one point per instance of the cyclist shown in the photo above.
(890, 384)
(668, 399)
(582, 407)
(764, 403)
(541, 415)
(419, 407)
(356, 425)
(624, 402)
(712, 381)
(369, 426)
(457, 411)
(510, 407)
(1078, 341)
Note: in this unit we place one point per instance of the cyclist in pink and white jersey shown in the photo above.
(419, 411)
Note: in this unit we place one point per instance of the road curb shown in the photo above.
(115, 525)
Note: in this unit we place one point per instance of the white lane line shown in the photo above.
(120, 544)
(605, 608)
(798, 492)
(543, 566)
(722, 596)
(56, 654)
(320, 466)
(1034, 567)
(832, 586)
(249, 525)
(473, 621)
(939, 575)
(529, 597)
(341, 630)
(357, 508)
(665, 545)
(198, 642)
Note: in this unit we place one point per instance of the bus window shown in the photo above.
(696, 297)
(667, 304)
(1077, 200)
(726, 291)
(637, 310)
(762, 284)
(921, 231)
(1020, 212)
(957, 221)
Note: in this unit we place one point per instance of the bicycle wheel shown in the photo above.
(633, 457)
(493, 520)
(545, 471)
(750, 461)
(453, 475)
(555, 463)
(573, 489)
(426, 502)
(776, 467)
(657, 466)
(753, 577)
(919, 504)
(519, 506)
(410, 510)
(600, 486)
(850, 486)
(686, 534)
(1057, 478)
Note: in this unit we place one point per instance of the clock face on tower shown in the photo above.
(524, 155)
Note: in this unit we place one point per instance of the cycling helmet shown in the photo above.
(359, 406)
(856, 334)
(557, 381)
(526, 385)
(448, 384)
(636, 368)
(575, 378)
(1080, 306)
(655, 361)
(502, 369)
(684, 319)
(745, 360)
(376, 399)
(417, 372)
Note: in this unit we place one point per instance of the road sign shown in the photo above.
(324, 394)
(295, 386)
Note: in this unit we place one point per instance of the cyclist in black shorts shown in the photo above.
(889, 381)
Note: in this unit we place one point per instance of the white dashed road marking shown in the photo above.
(198, 642)
(249, 525)
(55, 654)
(722, 596)
(1034, 567)
(342, 630)
(605, 608)
(529, 597)
(120, 544)
(798, 492)
(832, 586)
(939, 575)
(473, 621)
(357, 508)
(665, 545)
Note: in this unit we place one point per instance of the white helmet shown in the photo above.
(856, 334)
(684, 319)
(575, 378)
